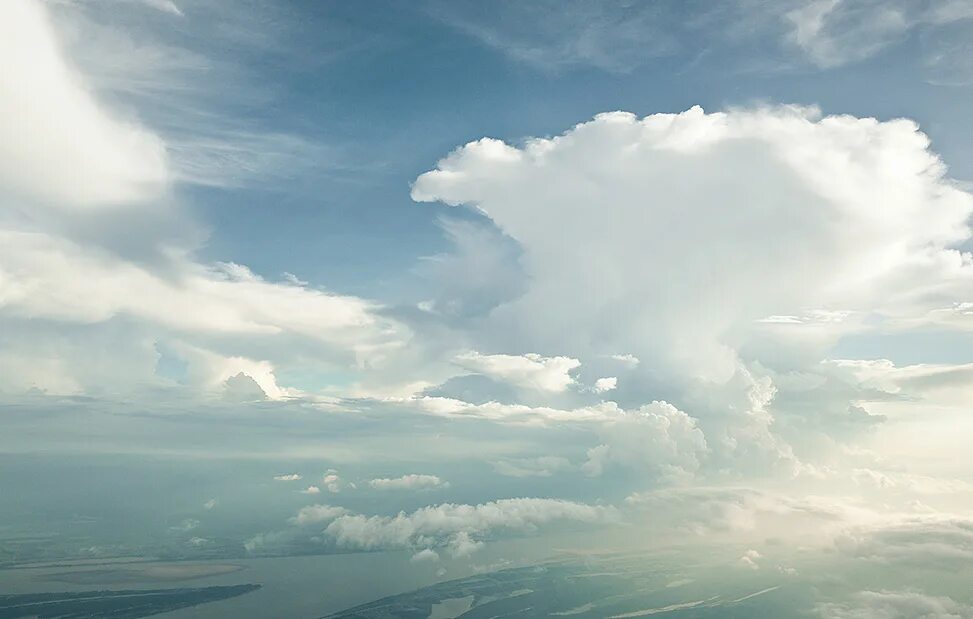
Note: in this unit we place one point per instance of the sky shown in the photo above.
(334, 276)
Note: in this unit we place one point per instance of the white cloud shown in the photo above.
(627, 359)
(117, 255)
(606, 384)
(678, 233)
(894, 605)
(317, 514)
(750, 559)
(288, 477)
(456, 527)
(530, 371)
(408, 482)
(311, 490)
(657, 438)
(210, 504)
(332, 481)
(426, 554)
(58, 147)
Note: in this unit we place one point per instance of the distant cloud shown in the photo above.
(894, 605)
(629, 360)
(408, 482)
(750, 559)
(603, 385)
(288, 477)
(311, 490)
(210, 504)
(426, 554)
(457, 527)
(332, 481)
(531, 371)
(315, 514)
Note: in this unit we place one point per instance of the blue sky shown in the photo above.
(386, 89)
(366, 268)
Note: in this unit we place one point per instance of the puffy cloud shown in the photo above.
(408, 482)
(332, 481)
(287, 477)
(531, 371)
(426, 554)
(606, 384)
(657, 438)
(673, 190)
(680, 234)
(456, 527)
(317, 514)
(894, 605)
(311, 490)
(750, 559)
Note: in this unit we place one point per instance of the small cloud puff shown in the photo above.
(749, 559)
(426, 554)
(605, 384)
(332, 481)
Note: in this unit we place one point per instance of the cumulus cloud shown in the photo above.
(531, 371)
(657, 438)
(750, 559)
(317, 514)
(679, 233)
(311, 490)
(457, 527)
(894, 605)
(426, 554)
(606, 384)
(408, 482)
(287, 477)
(332, 481)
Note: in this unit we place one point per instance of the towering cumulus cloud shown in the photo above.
(720, 249)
